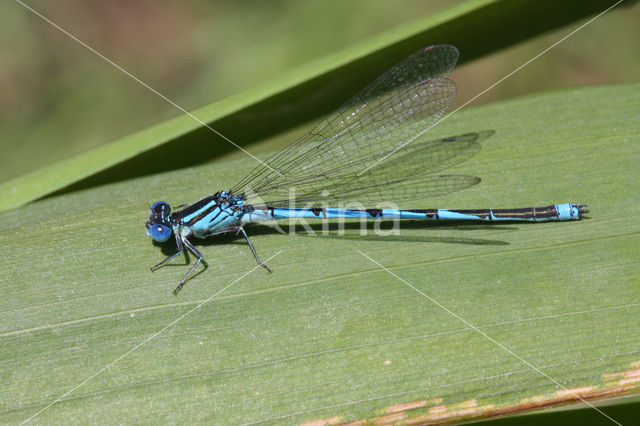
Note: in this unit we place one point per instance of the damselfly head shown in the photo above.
(158, 226)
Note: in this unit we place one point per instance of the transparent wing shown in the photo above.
(409, 174)
(329, 160)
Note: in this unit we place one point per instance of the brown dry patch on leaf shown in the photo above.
(438, 409)
(389, 418)
(613, 384)
(584, 390)
(626, 377)
(322, 422)
(443, 413)
(406, 406)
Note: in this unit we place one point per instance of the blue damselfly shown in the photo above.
(350, 157)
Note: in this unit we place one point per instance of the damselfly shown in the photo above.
(351, 157)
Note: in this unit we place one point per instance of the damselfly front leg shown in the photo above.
(198, 254)
(180, 249)
(181, 242)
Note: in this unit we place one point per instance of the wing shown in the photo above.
(409, 174)
(390, 111)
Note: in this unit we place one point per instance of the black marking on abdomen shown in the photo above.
(317, 211)
(484, 214)
(528, 212)
(429, 213)
(522, 213)
(374, 212)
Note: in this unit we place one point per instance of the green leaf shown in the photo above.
(329, 334)
(295, 97)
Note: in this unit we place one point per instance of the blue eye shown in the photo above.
(159, 232)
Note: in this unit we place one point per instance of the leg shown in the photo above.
(199, 255)
(179, 244)
(239, 229)
(246, 237)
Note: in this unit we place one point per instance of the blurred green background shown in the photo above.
(59, 99)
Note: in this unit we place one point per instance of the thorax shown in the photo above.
(208, 215)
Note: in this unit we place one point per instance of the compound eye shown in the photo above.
(161, 208)
(159, 232)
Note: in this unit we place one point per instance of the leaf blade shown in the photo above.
(329, 334)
